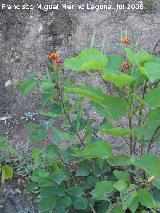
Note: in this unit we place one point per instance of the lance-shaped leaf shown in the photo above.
(119, 79)
(117, 131)
(89, 59)
(100, 150)
(93, 94)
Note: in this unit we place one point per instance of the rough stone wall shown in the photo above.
(27, 37)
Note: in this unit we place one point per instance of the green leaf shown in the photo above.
(99, 150)
(60, 209)
(115, 210)
(59, 177)
(155, 194)
(153, 98)
(69, 152)
(118, 131)
(128, 196)
(154, 116)
(142, 56)
(138, 58)
(103, 207)
(31, 187)
(119, 79)
(112, 107)
(39, 175)
(144, 132)
(38, 135)
(48, 114)
(119, 160)
(75, 191)
(46, 205)
(146, 199)
(46, 86)
(31, 126)
(121, 175)
(51, 151)
(63, 202)
(48, 191)
(139, 78)
(46, 124)
(54, 111)
(6, 147)
(130, 55)
(83, 169)
(93, 94)
(89, 59)
(60, 136)
(28, 84)
(102, 189)
(114, 63)
(47, 97)
(134, 205)
(36, 155)
(152, 70)
(120, 185)
(81, 203)
(149, 163)
(7, 173)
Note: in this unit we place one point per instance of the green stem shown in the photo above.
(130, 122)
(60, 96)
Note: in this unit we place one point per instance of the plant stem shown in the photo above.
(70, 123)
(131, 137)
(92, 208)
(143, 94)
(130, 122)
(152, 139)
(60, 97)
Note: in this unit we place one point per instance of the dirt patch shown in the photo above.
(15, 199)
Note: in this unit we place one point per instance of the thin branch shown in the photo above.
(152, 139)
(70, 123)
(155, 47)
(143, 94)
(92, 208)
(65, 111)
(130, 136)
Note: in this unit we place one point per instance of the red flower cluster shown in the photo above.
(54, 56)
(126, 41)
(126, 66)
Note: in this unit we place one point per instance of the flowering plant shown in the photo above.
(78, 170)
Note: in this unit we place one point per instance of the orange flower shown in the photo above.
(126, 66)
(53, 56)
(126, 41)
